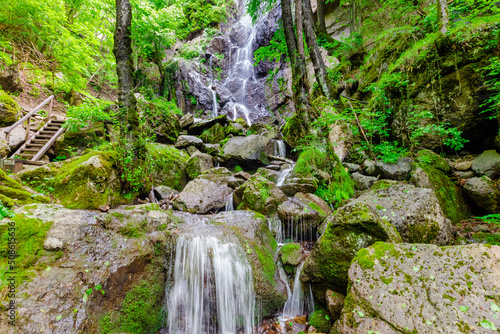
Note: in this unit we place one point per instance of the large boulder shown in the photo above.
(415, 212)
(198, 163)
(16, 138)
(426, 175)
(167, 166)
(202, 196)
(184, 141)
(398, 171)
(349, 229)
(484, 193)
(10, 80)
(161, 122)
(419, 288)
(259, 194)
(9, 110)
(248, 149)
(107, 265)
(487, 163)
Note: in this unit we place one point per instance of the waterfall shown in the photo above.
(297, 303)
(276, 227)
(214, 96)
(212, 288)
(230, 203)
(280, 149)
(241, 70)
(283, 174)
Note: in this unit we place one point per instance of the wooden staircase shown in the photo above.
(36, 146)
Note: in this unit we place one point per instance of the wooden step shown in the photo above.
(29, 155)
(53, 127)
(39, 141)
(30, 150)
(42, 136)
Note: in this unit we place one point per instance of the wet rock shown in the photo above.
(259, 194)
(399, 171)
(165, 192)
(350, 228)
(389, 282)
(52, 244)
(299, 184)
(202, 196)
(484, 193)
(269, 174)
(9, 110)
(352, 167)
(363, 182)
(290, 255)
(487, 163)
(10, 80)
(430, 158)
(198, 163)
(463, 166)
(186, 140)
(415, 212)
(246, 149)
(219, 175)
(334, 303)
(201, 125)
(186, 121)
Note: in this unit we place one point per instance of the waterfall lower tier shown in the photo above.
(283, 175)
(297, 303)
(212, 291)
(280, 149)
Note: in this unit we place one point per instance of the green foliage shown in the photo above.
(491, 219)
(30, 235)
(74, 36)
(492, 71)
(90, 112)
(5, 212)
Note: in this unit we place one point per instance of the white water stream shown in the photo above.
(212, 290)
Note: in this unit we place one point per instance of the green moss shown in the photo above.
(430, 158)
(237, 169)
(386, 280)
(141, 309)
(382, 184)
(321, 321)
(422, 233)
(83, 185)
(11, 110)
(213, 135)
(167, 165)
(489, 238)
(12, 193)
(30, 235)
(291, 254)
(294, 131)
(366, 259)
(448, 194)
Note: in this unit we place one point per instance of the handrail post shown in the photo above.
(28, 130)
(50, 109)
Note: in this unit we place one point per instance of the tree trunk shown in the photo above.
(316, 58)
(300, 38)
(297, 64)
(442, 13)
(321, 15)
(122, 49)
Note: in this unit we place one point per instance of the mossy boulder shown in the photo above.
(74, 143)
(430, 158)
(294, 131)
(161, 122)
(213, 135)
(454, 289)
(202, 196)
(320, 320)
(12, 193)
(246, 150)
(259, 194)
(9, 110)
(334, 183)
(167, 166)
(448, 194)
(415, 212)
(349, 229)
(198, 163)
(290, 255)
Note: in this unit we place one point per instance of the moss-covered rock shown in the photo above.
(163, 123)
(12, 193)
(430, 158)
(290, 255)
(349, 229)
(198, 163)
(75, 143)
(294, 131)
(484, 192)
(213, 135)
(335, 184)
(448, 194)
(320, 320)
(259, 194)
(167, 166)
(9, 110)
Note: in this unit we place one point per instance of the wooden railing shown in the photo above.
(28, 118)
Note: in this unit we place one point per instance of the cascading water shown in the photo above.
(230, 203)
(280, 149)
(297, 303)
(212, 288)
(276, 227)
(283, 174)
(241, 69)
(214, 95)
